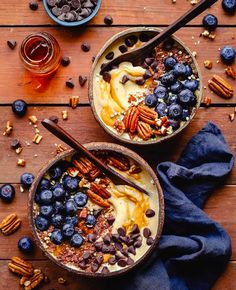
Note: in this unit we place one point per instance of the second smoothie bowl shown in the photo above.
(149, 103)
(87, 224)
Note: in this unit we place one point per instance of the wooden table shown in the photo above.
(16, 22)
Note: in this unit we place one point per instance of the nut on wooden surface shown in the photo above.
(10, 224)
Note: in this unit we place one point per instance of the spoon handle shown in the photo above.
(72, 142)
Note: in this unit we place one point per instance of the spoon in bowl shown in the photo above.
(137, 55)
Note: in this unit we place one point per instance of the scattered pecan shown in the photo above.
(10, 224)
(21, 162)
(131, 119)
(37, 138)
(231, 117)
(118, 161)
(74, 101)
(208, 34)
(144, 130)
(33, 119)
(97, 199)
(64, 115)
(221, 87)
(60, 148)
(34, 280)
(208, 64)
(83, 164)
(9, 128)
(132, 99)
(147, 115)
(100, 190)
(119, 126)
(61, 280)
(207, 101)
(21, 267)
(230, 72)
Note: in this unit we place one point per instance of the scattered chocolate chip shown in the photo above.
(108, 20)
(15, 144)
(144, 37)
(147, 74)
(121, 231)
(33, 5)
(82, 80)
(93, 58)
(130, 261)
(149, 213)
(112, 260)
(106, 76)
(110, 220)
(112, 249)
(118, 257)
(135, 229)
(149, 241)
(123, 48)
(140, 81)
(131, 250)
(105, 270)
(146, 232)
(65, 61)
(131, 40)
(94, 267)
(107, 240)
(86, 255)
(118, 246)
(85, 47)
(122, 263)
(110, 55)
(70, 83)
(54, 119)
(11, 43)
(138, 244)
(124, 79)
(130, 242)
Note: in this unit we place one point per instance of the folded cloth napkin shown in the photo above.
(193, 250)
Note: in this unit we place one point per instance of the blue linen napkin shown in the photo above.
(193, 250)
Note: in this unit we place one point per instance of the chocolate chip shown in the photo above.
(144, 37)
(130, 261)
(52, 2)
(82, 80)
(131, 40)
(88, 4)
(98, 246)
(94, 267)
(85, 47)
(150, 213)
(70, 16)
(99, 259)
(147, 74)
(108, 20)
(146, 232)
(138, 244)
(75, 4)
(54, 119)
(65, 8)
(154, 65)
(33, 5)
(149, 60)
(85, 12)
(131, 250)
(110, 220)
(105, 270)
(107, 240)
(110, 55)
(15, 144)
(86, 255)
(112, 260)
(65, 61)
(115, 237)
(82, 265)
(140, 81)
(122, 263)
(106, 76)
(124, 239)
(124, 252)
(118, 257)
(56, 11)
(135, 229)
(124, 79)
(134, 236)
(118, 246)
(11, 43)
(105, 249)
(70, 83)
(121, 231)
(149, 241)
(123, 48)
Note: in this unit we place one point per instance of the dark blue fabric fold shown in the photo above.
(193, 250)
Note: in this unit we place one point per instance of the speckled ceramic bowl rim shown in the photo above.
(74, 23)
(99, 146)
(115, 38)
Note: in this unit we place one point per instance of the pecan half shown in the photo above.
(147, 115)
(97, 199)
(83, 164)
(134, 169)
(94, 173)
(72, 171)
(10, 224)
(100, 190)
(21, 267)
(118, 161)
(34, 280)
(144, 130)
(221, 87)
(131, 119)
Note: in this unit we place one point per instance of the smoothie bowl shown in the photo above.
(88, 225)
(151, 102)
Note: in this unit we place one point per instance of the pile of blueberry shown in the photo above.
(59, 204)
(174, 96)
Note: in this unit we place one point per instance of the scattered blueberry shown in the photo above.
(176, 87)
(227, 54)
(70, 183)
(160, 92)
(19, 107)
(192, 85)
(172, 99)
(41, 223)
(91, 220)
(57, 237)
(151, 100)
(186, 98)
(76, 240)
(175, 111)
(46, 197)
(161, 110)
(7, 193)
(44, 184)
(71, 220)
(185, 115)
(80, 199)
(25, 244)
(46, 211)
(170, 62)
(168, 78)
(229, 6)
(179, 69)
(55, 172)
(210, 22)
(58, 193)
(58, 207)
(26, 180)
(175, 124)
(68, 230)
(57, 220)
(70, 207)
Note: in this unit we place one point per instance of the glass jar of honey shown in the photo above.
(40, 54)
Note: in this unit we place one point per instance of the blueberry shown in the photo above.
(175, 111)
(227, 54)
(160, 92)
(151, 100)
(192, 85)
(41, 223)
(25, 244)
(26, 180)
(70, 183)
(186, 98)
(7, 193)
(71, 220)
(70, 207)
(57, 220)
(58, 193)
(170, 62)
(44, 184)
(189, 70)
(176, 87)
(19, 107)
(57, 237)
(56, 185)
(210, 22)
(37, 198)
(161, 109)
(91, 220)
(175, 124)
(46, 211)
(58, 207)
(76, 240)
(168, 78)
(172, 99)
(46, 197)
(185, 115)
(229, 6)
(55, 172)
(80, 199)
(68, 230)
(179, 70)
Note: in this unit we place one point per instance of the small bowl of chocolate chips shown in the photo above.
(71, 13)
